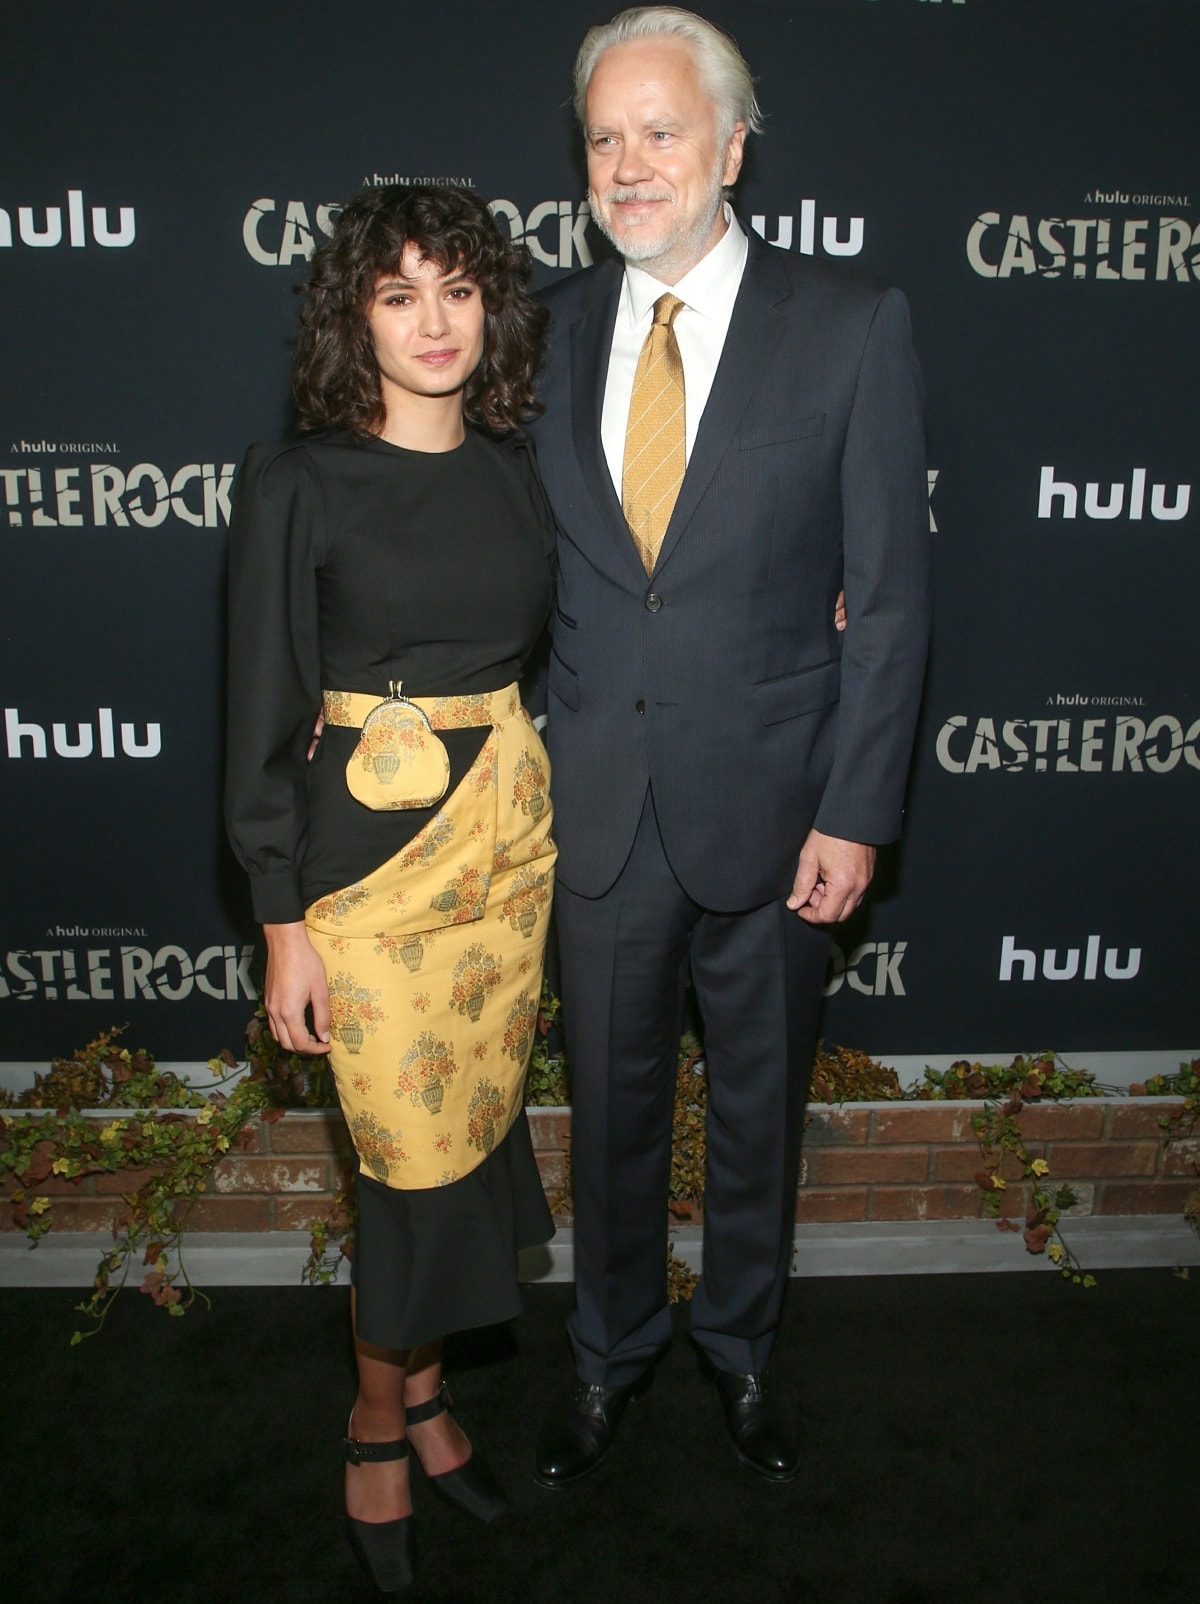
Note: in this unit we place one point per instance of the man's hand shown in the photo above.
(831, 879)
(295, 978)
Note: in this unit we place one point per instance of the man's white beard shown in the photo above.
(680, 244)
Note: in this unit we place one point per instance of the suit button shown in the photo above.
(653, 602)
(639, 706)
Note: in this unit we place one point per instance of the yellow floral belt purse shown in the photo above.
(399, 762)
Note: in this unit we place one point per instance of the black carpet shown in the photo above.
(973, 1438)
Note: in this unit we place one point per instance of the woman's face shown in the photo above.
(427, 327)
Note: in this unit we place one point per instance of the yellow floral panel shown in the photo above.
(426, 1069)
(531, 784)
(339, 904)
(434, 960)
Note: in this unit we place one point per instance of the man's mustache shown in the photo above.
(621, 195)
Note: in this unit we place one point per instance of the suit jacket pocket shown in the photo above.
(781, 432)
(794, 694)
(563, 681)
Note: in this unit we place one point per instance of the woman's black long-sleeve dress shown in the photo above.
(354, 563)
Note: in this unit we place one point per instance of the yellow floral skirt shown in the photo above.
(434, 959)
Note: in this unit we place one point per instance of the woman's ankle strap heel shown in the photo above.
(373, 1453)
(471, 1486)
(418, 1414)
(384, 1549)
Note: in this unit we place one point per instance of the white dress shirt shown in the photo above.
(708, 292)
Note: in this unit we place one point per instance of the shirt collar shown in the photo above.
(708, 288)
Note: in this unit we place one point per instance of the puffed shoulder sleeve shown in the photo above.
(525, 454)
(276, 546)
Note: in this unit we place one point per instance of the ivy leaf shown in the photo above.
(39, 1166)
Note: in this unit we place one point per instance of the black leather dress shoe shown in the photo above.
(761, 1425)
(579, 1430)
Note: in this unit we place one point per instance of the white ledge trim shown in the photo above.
(1117, 1069)
(889, 1105)
(941, 1247)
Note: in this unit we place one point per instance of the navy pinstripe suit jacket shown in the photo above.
(721, 679)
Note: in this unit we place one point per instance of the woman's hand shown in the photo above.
(295, 979)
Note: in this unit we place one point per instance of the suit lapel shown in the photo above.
(591, 342)
(754, 331)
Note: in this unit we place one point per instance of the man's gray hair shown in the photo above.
(724, 74)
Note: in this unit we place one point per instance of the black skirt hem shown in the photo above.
(444, 1258)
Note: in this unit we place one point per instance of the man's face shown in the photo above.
(656, 160)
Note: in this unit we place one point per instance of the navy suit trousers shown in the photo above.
(757, 974)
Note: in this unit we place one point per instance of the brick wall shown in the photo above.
(917, 1161)
(279, 1177)
(865, 1161)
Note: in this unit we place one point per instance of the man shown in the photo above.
(731, 434)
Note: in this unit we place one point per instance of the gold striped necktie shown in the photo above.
(654, 437)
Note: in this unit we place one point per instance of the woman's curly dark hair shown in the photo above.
(335, 375)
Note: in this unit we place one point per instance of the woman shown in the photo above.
(390, 573)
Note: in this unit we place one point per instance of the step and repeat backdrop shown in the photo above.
(1026, 171)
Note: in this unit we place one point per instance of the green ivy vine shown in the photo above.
(170, 1134)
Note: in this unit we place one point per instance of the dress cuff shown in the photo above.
(276, 897)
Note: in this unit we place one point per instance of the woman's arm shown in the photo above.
(276, 540)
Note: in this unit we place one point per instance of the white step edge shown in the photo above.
(1117, 1069)
(941, 1247)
